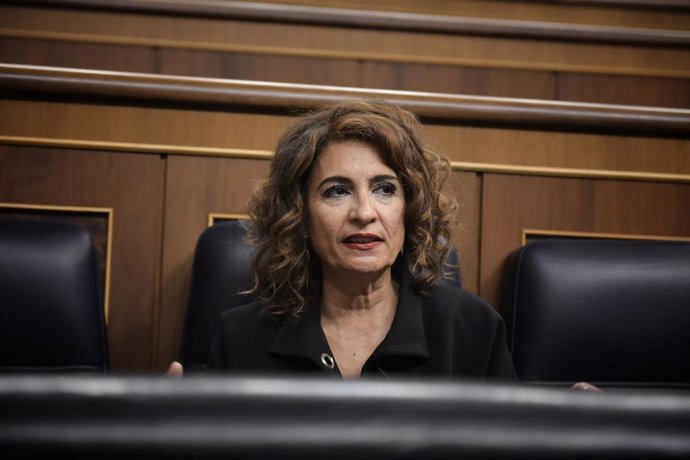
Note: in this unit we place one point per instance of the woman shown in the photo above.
(351, 232)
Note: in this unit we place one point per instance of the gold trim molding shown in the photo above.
(212, 216)
(109, 212)
(136, 147)
(568, 172)
(267, 155)
(528, 232)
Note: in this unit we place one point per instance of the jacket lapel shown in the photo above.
(304, 338)
(406, 337)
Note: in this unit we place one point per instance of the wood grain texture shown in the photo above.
(195, 187)
(465, 187)
(533, 84)
(512, 203)
(156, 128)
(47, 82)
(395, 20)
(77, 55)
(670, 15)
(459, 80)
(555, 149)
(320, 71)
(329, 41)
(617, 89)
(221, 40)
(197, 131)
(132, 186)
(144, 125)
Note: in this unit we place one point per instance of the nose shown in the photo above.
(362, 209)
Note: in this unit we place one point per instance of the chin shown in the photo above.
(368, 268)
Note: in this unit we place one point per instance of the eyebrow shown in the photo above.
(345, 180)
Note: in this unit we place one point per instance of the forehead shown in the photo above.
(350, 159)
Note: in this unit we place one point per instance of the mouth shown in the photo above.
(362, 241)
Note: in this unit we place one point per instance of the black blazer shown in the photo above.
(448, 333)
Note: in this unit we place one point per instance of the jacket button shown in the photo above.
(327, 360)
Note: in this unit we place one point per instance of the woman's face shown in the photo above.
(356, 210)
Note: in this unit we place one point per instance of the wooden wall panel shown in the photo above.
(293, 69)
(174, 127)
(513, 203)
(57, 53)
(317, 40)
(466, 188)
(459, 80)
(317, 52)
(615, 13)
(208, 129)
(533, 84)
(195, 187)
(557, 150)
(132, 185)
(617, 89)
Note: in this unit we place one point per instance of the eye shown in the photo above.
(336, 191)
(385, 188)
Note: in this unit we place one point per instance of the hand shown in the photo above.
(175, 370)
(583, 386)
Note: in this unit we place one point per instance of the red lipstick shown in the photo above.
(362, 241)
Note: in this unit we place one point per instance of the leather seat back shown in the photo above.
(615, 313)
(51, 315)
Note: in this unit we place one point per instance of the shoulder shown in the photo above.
(471, 329)
(247, 318)
(243, 336)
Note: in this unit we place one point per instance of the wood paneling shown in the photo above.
(617, 89)
(144, 125)
(459, 80)
(57, 53)
(605, 153)
(609, 13)
(307, 40)
(613, 89)
(132, 185)
(195, 187)
(466, 188)
(513, 203)
(212, 94)
(340, 72)
(526, 60)
(492, 146)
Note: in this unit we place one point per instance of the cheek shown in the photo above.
(322, 228)
(396, 225)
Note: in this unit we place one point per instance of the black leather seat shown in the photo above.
(51, 318)
(220, 272)
(614, 313)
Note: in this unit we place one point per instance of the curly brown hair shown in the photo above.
(282, 268)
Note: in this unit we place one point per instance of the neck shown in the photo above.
(356, 314)
(358, 294)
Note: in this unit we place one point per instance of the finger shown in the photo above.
(584, 386)
(175, 370)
